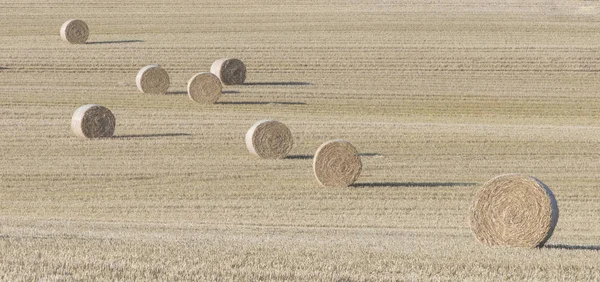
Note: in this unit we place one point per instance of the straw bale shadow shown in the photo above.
(299, 157)
(261, 103)
(176, 93)
(185, 92)
(114, 42)
(306, 157)
(131, 136)
(276, 83)
(572, 247)
(412, 184)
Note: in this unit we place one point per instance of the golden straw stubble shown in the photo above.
(93, 121)
(337, 164)
(269, 139)
(75, 31)
(229, 71)
(153, 79)
(204, 88)
(514, 210)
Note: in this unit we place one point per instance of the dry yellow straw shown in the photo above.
(514, 210)
(93, 121)
(269, 139)
(229, 71)
(204, 88)
(337, 164)
(75, 31)
(152, 79)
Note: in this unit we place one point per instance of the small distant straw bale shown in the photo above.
(75, 31)
(152, 79)
(93, 121)
(204, 88)
(514, 210)
(269, 139)
(229, 71)
(337, 164)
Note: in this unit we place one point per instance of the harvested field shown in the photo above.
(437, 98)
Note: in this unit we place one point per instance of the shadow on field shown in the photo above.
(306, 157)
(573, 247)
(115, 42)
(299, 157)
(151, 135)
(176, 93)
(274, 83)
(412, 184)
(261, 103)
(185, 92)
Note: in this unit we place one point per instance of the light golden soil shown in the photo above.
(439, 97)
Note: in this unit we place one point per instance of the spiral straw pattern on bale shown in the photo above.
(204, 88)
(75, 31)
(153, 79)
(514, 210)
(337, 164)
(93, 121)
(269, 139)
(229, 71)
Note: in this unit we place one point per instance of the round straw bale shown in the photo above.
(336, 164)
(514, 210)
(229, 71)
(152, 79)
(204, 88)
(93, 121)
(269, 139)
(75, 31)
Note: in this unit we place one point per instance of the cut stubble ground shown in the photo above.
(436, 98)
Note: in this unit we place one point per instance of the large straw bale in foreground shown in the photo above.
(93, 121)
(514, 210)
(75, 31)
(337, 164)
(229, 71)
(204, 88)
(269, 139)
(153, 79)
